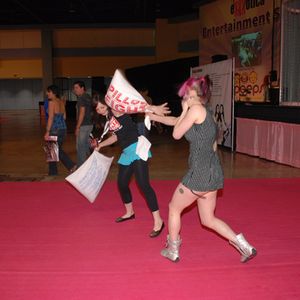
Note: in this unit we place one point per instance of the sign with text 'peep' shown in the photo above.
(123, 97)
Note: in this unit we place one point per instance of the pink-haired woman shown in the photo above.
(204, 176)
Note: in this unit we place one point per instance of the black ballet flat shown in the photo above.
(155, 233)
(121, 219)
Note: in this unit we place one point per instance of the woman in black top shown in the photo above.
(126, 133)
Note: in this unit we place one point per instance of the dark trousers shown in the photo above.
(63, 157)
(140, 169)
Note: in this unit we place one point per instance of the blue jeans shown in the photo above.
(82, 144)
(63, 157)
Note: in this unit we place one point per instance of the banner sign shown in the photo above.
(221, 101)
(240, 29)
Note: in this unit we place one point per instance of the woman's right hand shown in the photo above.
(46, 136)
(99, 146)
(93, 143)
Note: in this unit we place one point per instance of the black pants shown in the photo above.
(140, 169)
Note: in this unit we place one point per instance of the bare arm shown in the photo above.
(50, 119)
(109, 141)
(186, 120)
(63, 108)
(160, 110)
(80, 119)
(167, 120)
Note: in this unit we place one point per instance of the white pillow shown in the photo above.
(90, 177)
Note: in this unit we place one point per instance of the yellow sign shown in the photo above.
(241, 29)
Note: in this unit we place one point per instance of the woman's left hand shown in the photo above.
(160, 110)
(46, 136)
(150, 115)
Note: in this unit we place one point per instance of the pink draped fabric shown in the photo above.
(271, 140)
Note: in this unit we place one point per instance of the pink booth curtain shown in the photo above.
(271, 140)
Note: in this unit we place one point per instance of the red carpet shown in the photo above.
(54, 244)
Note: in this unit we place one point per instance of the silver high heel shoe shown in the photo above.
(172, 249)
(247, 251)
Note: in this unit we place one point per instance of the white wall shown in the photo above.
(26, 93)
(20, 94)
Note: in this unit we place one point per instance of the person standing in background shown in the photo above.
(56, 126)
(84, 121)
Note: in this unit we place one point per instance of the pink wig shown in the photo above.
(201, 85)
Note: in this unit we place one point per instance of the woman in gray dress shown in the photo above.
(204, 176)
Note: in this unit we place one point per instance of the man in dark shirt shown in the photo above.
(84, 122)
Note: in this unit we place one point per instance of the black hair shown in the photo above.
(54, 89)
(99, 120)
(80, 83)
(98, 98)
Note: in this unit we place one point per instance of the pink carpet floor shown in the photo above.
(55, 245)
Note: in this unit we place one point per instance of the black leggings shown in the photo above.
(140, 169)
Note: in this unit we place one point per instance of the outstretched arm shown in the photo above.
(167, 120)
(109, 141)
(80, 119)
(160, 110)
(50, 119)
